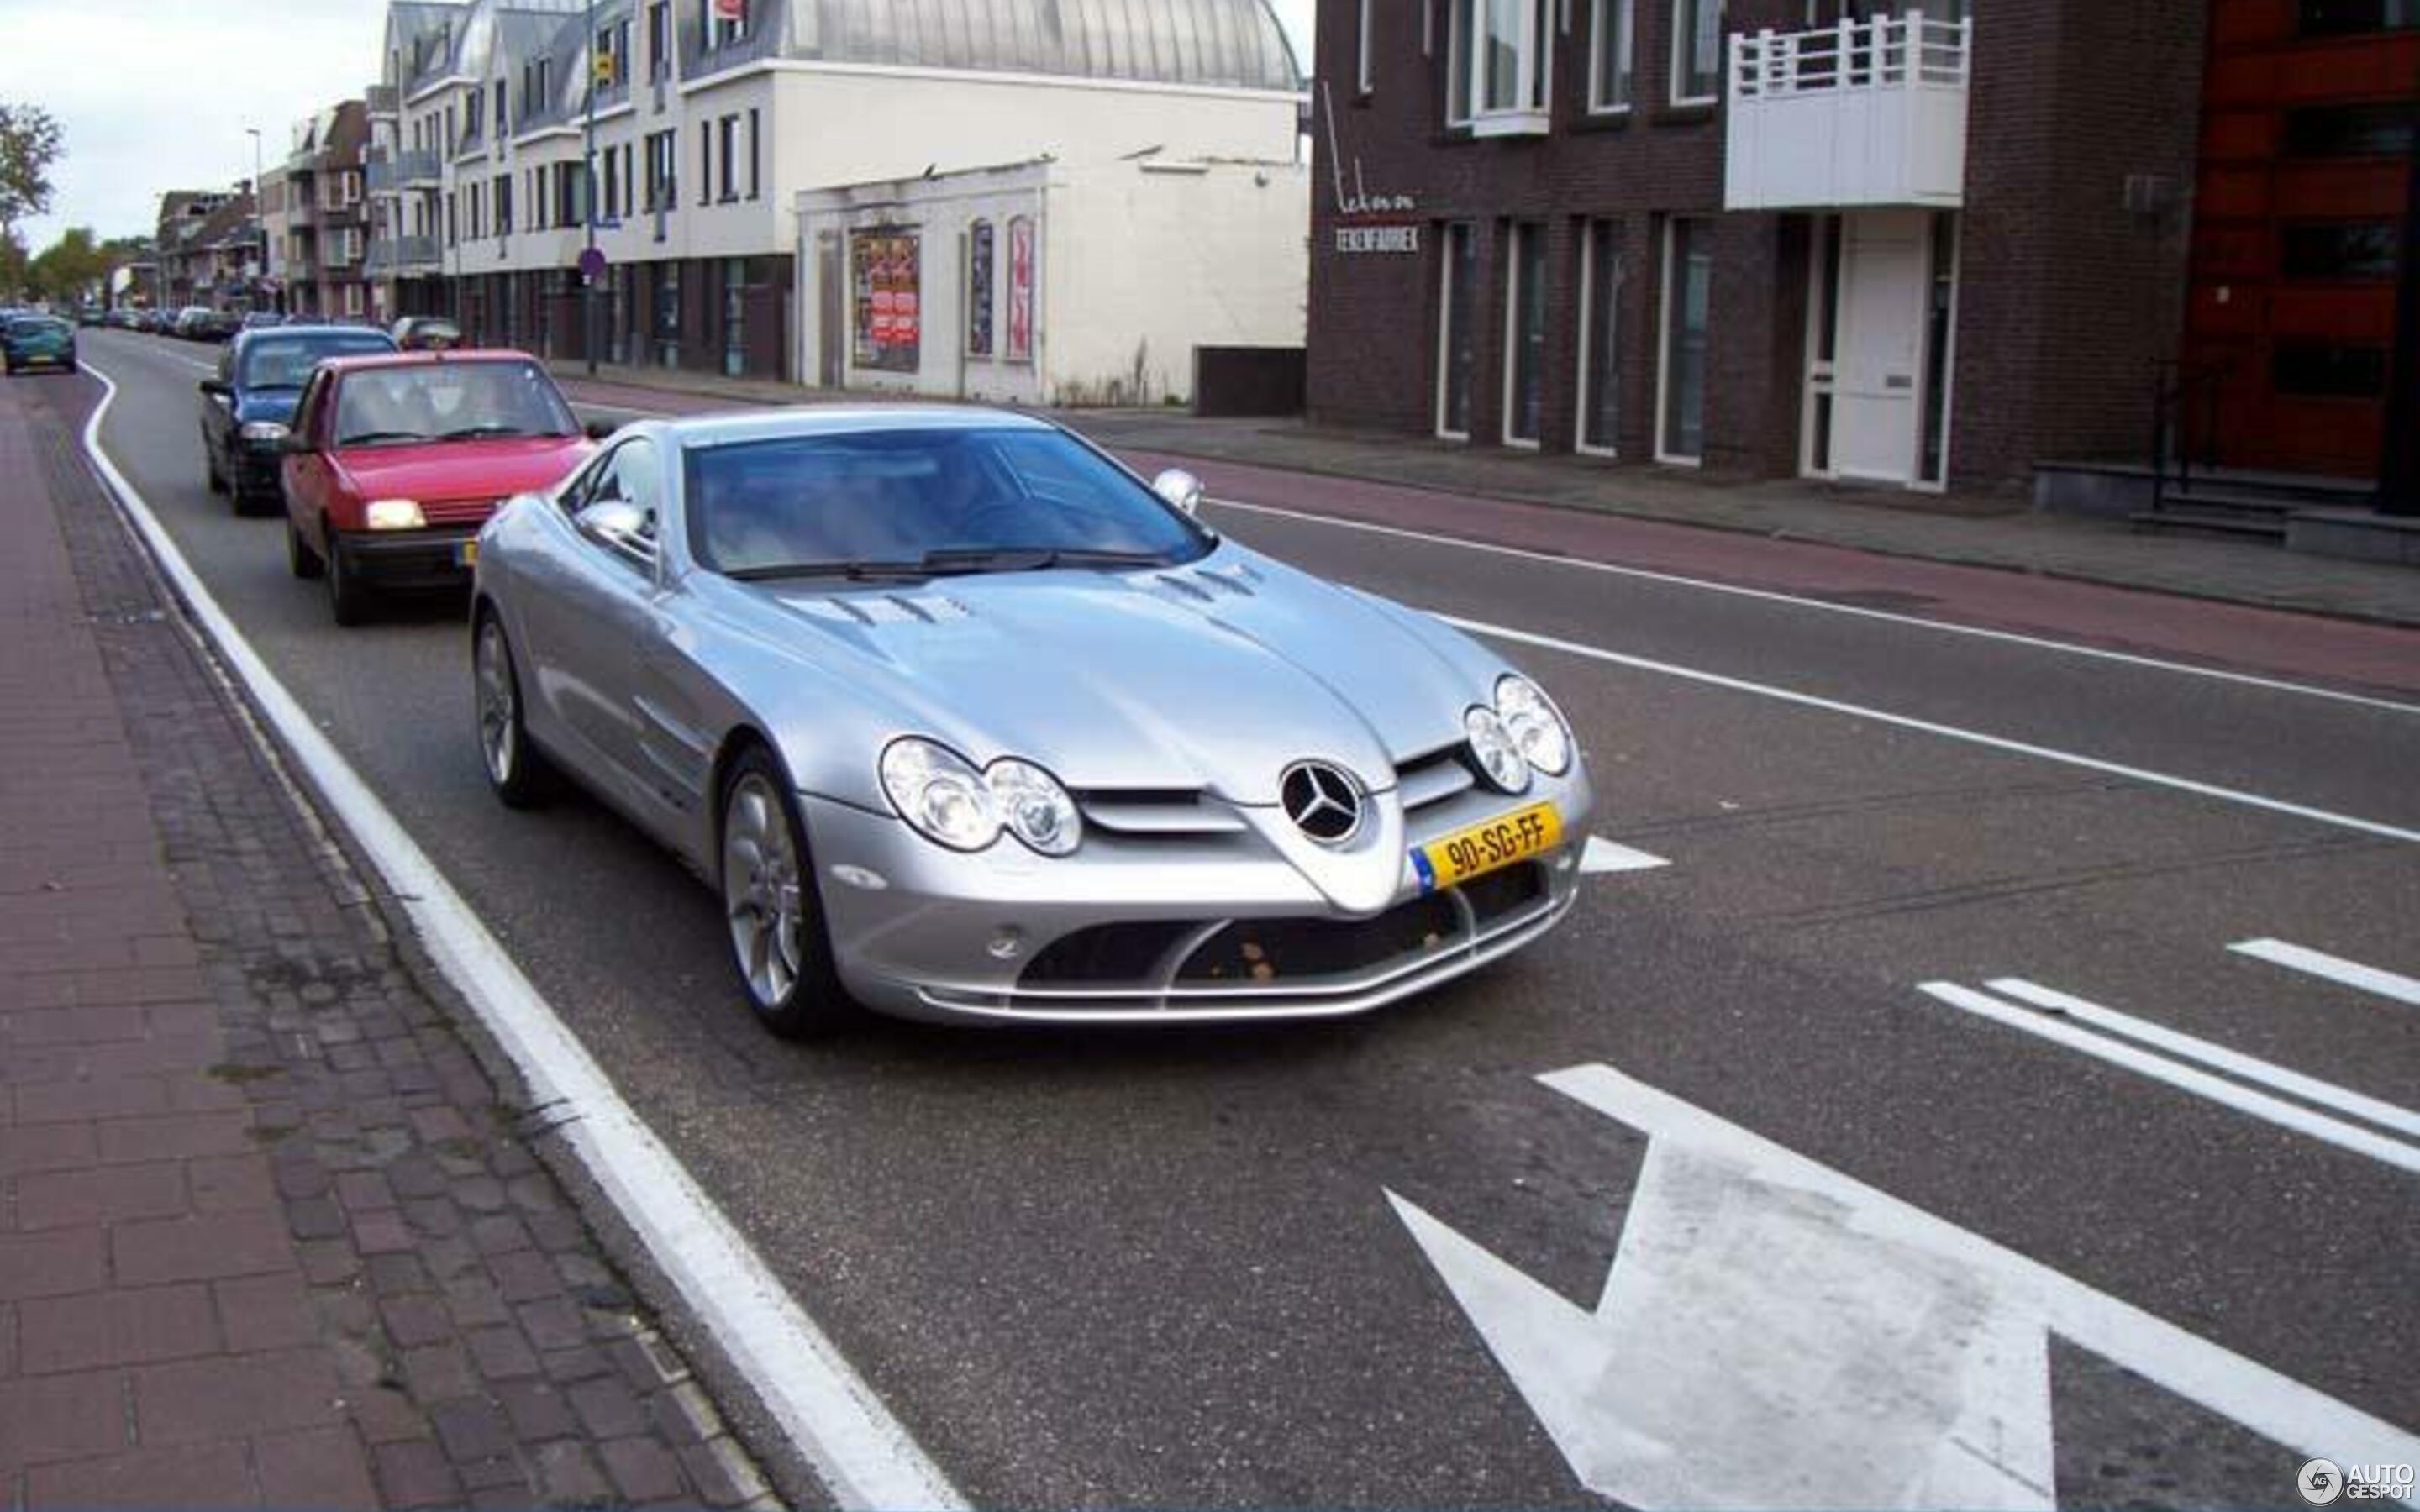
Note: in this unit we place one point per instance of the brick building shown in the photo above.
(1842, 239)
(315, 209)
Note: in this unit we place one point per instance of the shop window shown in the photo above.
(2340, 249)
(886, 276)
(1612, 27)
(980, 259)
(1525, 336)
(1498, 64)
(2371, 131)
(2325, 370)
(1697, 51)
(1688, 299)
(1601, 339)
(1457, 330)
(2344, 17)
(735, 318)
(1021, 253)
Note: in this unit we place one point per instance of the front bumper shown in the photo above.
(433, 558)
(257, 470)
(1142, 931)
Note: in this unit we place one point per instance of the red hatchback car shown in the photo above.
(396, 461)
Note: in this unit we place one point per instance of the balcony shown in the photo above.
(383, 100)
(702, 54)
(393, 255)
(398, 171)
(1867, 113)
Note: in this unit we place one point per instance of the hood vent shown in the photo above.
(882, 609)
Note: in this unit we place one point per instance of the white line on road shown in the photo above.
(2261, 1398)
(866, 1458)
(2333, 967)
(1946, 627)
(1603, 856)
(2218, 1089)
(2206, 790)
(2234, 1062)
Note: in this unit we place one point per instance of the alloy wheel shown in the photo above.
(760, 889)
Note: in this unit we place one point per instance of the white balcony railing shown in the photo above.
(1866, 112)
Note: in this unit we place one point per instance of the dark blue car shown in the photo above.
(247, 406)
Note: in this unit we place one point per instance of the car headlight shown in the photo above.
(946, 799)
(264, 430)
(394, 515)
(1500, 755)
(1535, 724)
(939, 795)
(1034, 807)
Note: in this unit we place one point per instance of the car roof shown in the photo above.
(326, 327)
(799, 422)
(427, 359)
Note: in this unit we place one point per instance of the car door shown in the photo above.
(304, 467)
(218, 405)
(590, 610)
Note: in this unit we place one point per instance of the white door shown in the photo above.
(1878, 378)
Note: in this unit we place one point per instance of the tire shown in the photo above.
(519, 772)
(300, 559)
(348, 599)
(780, 947)
(217, 480)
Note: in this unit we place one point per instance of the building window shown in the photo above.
(1697, 51)
(1365, 72)
(612, 189)
(2326, 370)
(1612, 24)
(502, 127)
(1601, 339)
(706, 162)
(731, 29)
(1498, 63)
(1524, 335)
(980, 270)
(735, 318)
(2346, 250)
(2340, 18)
(1021, 253)
(885, 267)
(755, 154)
(667, 313)
(2373, 130)
(729, 136)
(1689, 297)
(1457, 330)
(660, 40)
(1940, 332)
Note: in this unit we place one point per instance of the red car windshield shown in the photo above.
(449, 402)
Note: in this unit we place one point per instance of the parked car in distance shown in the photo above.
(248, 404)
(396, 462)
(426, 333)
(259, 320)
(921, 690)
(89, 314)
(31, 341)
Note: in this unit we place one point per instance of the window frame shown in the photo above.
(1466, 71)
(1682, 36)
(1624, 14)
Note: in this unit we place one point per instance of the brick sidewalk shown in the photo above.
(269, 1235)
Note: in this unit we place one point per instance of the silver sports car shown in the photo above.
(965, 722)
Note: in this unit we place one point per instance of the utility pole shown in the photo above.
(2398, 465)
(259, 219)
(596, 72)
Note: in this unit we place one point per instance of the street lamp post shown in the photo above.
(588, 192)
(259, 217)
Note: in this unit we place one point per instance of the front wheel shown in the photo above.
(349, 598)
(779, 941)
(518, 773)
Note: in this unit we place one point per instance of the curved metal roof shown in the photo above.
(1232, 42)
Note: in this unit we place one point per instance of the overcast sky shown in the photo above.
(155, 93)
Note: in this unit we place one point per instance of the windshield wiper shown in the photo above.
(373, 437)
(853, 571)
(1033, 559)
(492, 429)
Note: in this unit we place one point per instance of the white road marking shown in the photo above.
(865, 1456)
(2206, 790)
(2234, 1095)
(2333, 967)
(2273, 684)
(1872, 1354)
(1605, 855)
(2234, 1062)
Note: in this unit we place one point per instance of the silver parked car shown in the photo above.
(968, 722)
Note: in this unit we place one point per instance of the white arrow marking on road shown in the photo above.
(1605, 855)
(1874, 1355)
(2333, 967)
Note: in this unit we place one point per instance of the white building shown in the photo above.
(1084, 283)
(713, 125)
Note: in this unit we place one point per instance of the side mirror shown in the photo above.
(216, 389)
(597, 430)
(622, 525)
(1179, 487)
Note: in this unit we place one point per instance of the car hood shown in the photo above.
(1214, 676)
(257, 405)
(461, 471)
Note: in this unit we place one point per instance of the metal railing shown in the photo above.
(382, 99)
(701, 56)
(570, 113)
(385, 175)
(2182, 394)
(1881, 53)
(389, 253)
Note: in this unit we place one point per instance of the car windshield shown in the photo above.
(449, 402)
(942, 500)
(284, 362)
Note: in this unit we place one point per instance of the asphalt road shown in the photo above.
(1090, 1268)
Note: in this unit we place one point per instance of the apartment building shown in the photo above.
(710, 118)
(1918, 246)
(208, 251)
(315, 210)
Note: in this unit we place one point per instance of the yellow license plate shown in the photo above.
(469, 553)
(1501, 842)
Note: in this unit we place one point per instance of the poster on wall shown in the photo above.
(885, 270)
(1020, 289)
(979, 270)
